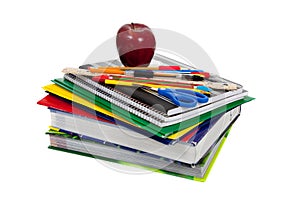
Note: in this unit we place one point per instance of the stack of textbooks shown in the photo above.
(143, 121)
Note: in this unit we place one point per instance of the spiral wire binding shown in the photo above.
(119, 99)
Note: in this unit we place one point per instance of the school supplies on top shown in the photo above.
(169, 118)
(160, 117)
(171, 68)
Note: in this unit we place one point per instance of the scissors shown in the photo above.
(182, 97)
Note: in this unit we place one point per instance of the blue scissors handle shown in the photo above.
(182, 97)
(178, 98)
(201, 98)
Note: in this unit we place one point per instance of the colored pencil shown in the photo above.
(171, 68)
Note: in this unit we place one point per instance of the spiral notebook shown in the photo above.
(142, 109)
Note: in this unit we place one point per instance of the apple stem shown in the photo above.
(132, 25)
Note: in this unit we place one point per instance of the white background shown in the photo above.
(255, 43)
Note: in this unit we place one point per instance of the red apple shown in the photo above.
(136, 44)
